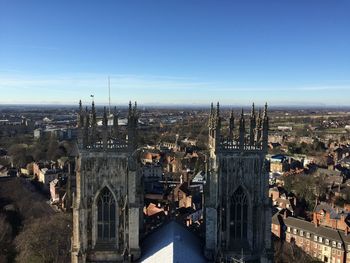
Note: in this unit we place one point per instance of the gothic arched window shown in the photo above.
(106, 211)
(238, 215)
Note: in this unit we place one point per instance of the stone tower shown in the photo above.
(107, 204)
(237, 206)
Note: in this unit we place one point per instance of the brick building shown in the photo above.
(327, 244)
(325, 215)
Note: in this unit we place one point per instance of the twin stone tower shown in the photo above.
(108, 203)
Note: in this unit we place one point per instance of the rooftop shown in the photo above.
(322, 231)
(172, 242)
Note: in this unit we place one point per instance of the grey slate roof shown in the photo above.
(326, 207)
(325, 232)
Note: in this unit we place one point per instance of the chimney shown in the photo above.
(315, 219)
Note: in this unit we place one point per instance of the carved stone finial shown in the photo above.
(134, 110)
(218, 109)
(241, 129)
(115, 122)
(211, 116)
(231, 124)
(265, 110)
(105, 119)
(130, 108)
(265, 129)
(80, 115)
(252, 126)
(93, 115)
(253, 110)
(105, 130)
(132, 127)
(258, 128)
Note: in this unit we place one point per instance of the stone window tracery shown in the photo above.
(239, 215)
(106, 215)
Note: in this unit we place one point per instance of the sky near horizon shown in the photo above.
(292, 52)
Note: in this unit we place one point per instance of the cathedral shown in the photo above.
(107, 205)
(237, 206)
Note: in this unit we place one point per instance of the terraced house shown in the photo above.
(325, 243)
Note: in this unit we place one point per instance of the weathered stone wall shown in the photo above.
(94, 171)
(228, 171)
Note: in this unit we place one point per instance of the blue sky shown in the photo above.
(176, 52)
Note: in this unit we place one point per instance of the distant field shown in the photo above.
(313, 116)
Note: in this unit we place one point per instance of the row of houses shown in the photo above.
(58, 179)
(324, 243)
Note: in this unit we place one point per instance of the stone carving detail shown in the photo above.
(241, 158)
(104, 138)
(104, 160)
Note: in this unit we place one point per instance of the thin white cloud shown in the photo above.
(68, 88)
(97, 81)
(331, 87)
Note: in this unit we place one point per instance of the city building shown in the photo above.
(107, 208)
(46, 175)
(326, 244)
(237, 206)
(326, 215)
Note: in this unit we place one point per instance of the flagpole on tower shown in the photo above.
(109, 96)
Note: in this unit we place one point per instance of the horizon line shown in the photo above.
(187, 105)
